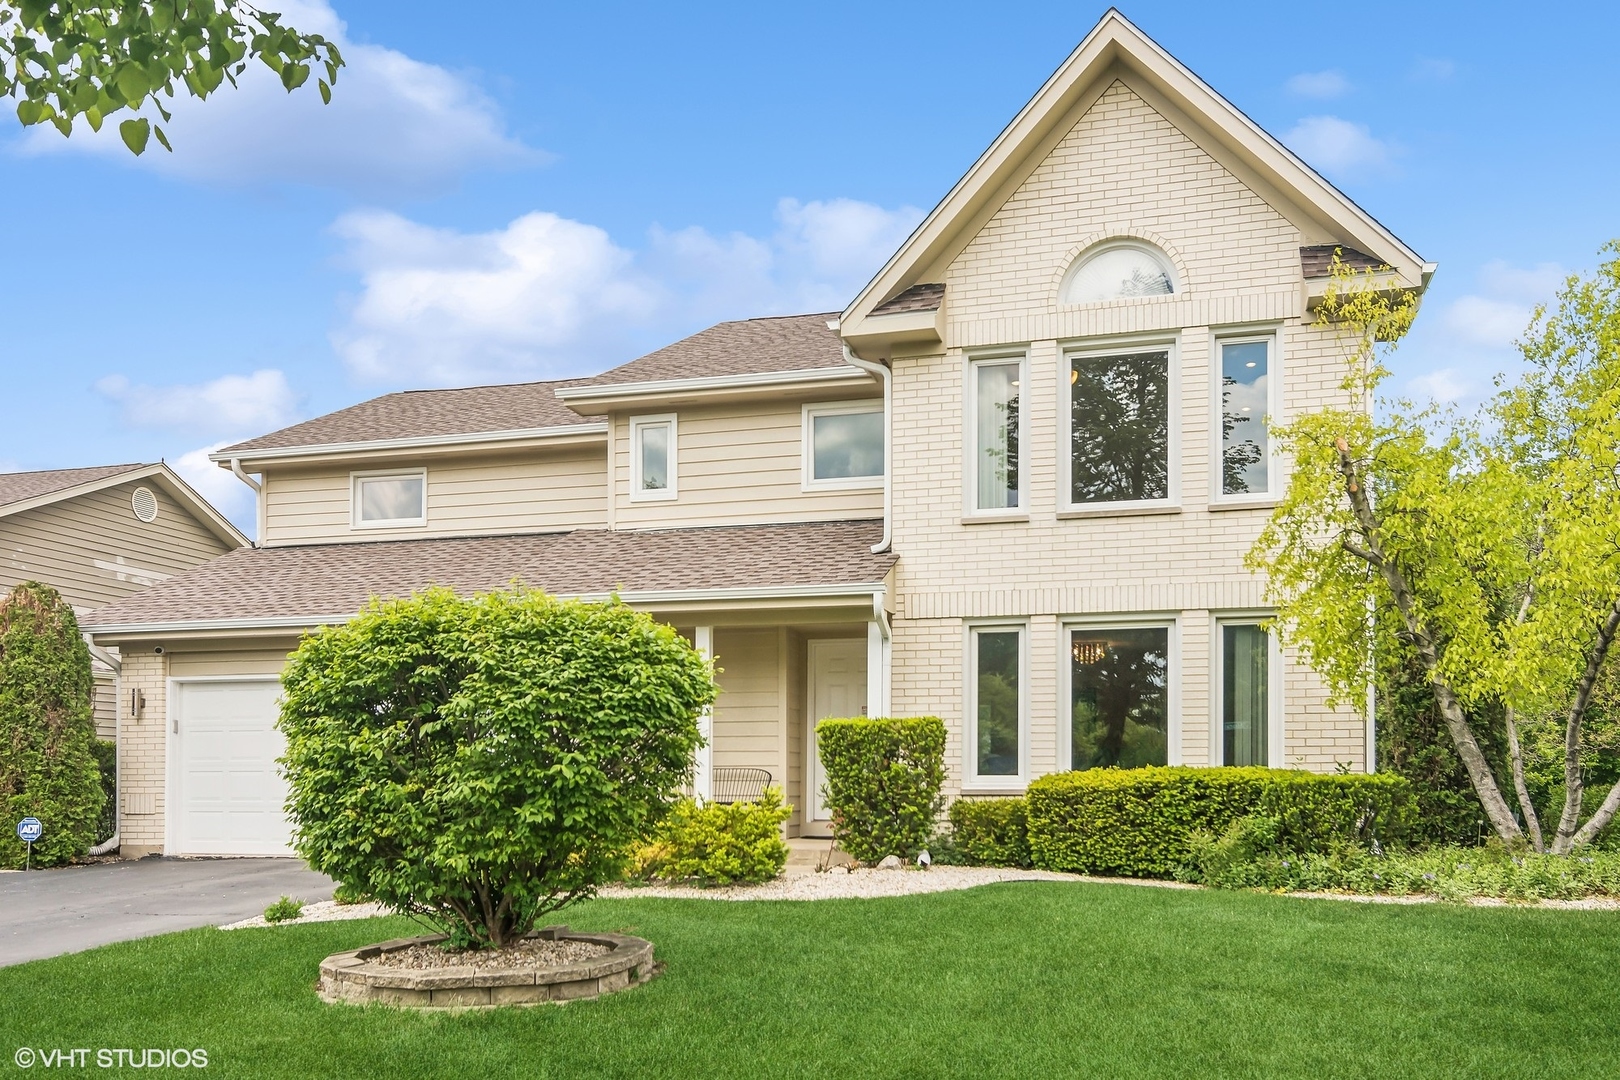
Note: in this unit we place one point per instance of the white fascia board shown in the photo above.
(859, 591)
(611, 391)
(420, 442)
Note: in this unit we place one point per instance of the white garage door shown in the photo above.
(229, 793)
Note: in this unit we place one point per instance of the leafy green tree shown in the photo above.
(93, 58)
(482, 762)
(1495, 543)
(48, 765)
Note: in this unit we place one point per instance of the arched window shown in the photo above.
(1117, 270)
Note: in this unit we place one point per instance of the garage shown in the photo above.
(225, 787)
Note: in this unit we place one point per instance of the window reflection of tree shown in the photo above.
(1236, 457)
(1120, 427)
(1119, 701)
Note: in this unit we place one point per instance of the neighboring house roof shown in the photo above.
(745, 347)
(305, 585)
(925, 297)
(1316, 260)
(425, 414)
(23, 491)
(1115, 45)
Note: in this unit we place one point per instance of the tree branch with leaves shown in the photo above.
(66, 59)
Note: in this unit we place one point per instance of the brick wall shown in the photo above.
(142, 746)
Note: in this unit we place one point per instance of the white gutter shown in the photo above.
(106, 656)
(569, 394)
(882, 374)
(413, 443)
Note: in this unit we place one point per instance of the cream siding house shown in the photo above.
(1012, 484)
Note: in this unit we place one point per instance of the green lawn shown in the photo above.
(1025, 979)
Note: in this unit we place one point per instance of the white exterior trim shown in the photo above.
(415, 442)
(358, 478)
(1067, 355)
(972, 782)
(808, 481)
(172, 482)
(971, 512)
(1169, 621)
(671, 490)
(584, 394)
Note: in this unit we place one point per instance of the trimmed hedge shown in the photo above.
(884, 777)
(991, 832)
(1141, 822)
(718, 843)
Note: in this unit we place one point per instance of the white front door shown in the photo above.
(227, 796)
(837, 688)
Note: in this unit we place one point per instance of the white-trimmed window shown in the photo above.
(997, 706)
(995, 430)
(1118, 270)
(1248, 693)
(1121, 444)
(1245, 399)
(652, 457)
(1121, 692)
(843, 445)
(388, 500)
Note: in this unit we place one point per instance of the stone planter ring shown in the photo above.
(354, 977)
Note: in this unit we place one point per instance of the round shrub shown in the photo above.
(48, 765)
(884, 777)
(719, 843)
(482, 762)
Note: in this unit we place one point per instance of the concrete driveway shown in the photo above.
(49, 912)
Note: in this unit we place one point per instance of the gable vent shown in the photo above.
(144, 504)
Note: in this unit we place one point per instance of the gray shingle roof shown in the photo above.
(21, 486)
(425, 413)
(1317, 259)
(925, 297)
(746, 347)
(325, 580)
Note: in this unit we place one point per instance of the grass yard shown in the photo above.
(1022, 979)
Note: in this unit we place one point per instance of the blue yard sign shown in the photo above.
(28, 830)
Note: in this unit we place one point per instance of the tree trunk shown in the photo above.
(1526, 807)
(1574, 786)
(1473, 758)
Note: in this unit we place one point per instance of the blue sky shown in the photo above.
(562, 187)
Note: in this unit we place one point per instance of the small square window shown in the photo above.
(652, 457)
(843, 446)
(390, 500)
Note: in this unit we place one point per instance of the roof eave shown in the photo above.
(598, 399)
(478, 439)
(172, 482)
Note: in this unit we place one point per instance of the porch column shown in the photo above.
(878, 648)
(702, 775)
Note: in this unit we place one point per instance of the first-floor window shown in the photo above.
(1119, 697)
(1245, 693)
(995, 423)
(652, 457)
(390, 500)
(997, 700)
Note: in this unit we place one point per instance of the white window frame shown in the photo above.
(1168, 621)
(1273, 336)
(1276, 740)
(355, 481)
(1065, 425)
(970, 437)
(971, 780)
(637, 423)
(808, 480)
(1153, 251)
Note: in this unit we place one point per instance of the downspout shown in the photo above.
(880, 616)
(882, 373)
(258, 500)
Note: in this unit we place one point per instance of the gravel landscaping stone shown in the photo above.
(536, 953)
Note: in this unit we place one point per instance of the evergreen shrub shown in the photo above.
(719, 843)
(884, 782)
(991, 832)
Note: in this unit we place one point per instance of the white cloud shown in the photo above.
(1319, 84)
(262, 401)
(395, 125)
(1433, 69)
(219, 486)
(1498, 314)
(1445, 386)
(547, 295)
(1339, 146)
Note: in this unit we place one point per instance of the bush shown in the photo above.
(990, 832)
(284, 910)
(884, 777)
(47, 730)
(106, 755)
(719, 843)
(1141, 822)
(482, 762)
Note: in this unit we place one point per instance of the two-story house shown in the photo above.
(1011, 485)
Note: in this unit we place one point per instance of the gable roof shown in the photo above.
(1112, 46)
(745, 347)
(23, 491)
(425, 414)
(303, 585)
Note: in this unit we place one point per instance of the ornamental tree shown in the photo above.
(482, 762)
(62, 59)
(1493, 542)
(48, 767)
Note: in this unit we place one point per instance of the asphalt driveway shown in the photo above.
(48, 912)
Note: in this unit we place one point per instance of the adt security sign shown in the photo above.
(29, 830)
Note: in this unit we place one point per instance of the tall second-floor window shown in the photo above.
(994, 419)
(1245, 411)
(389, 500)
(1119, 427)
(652, 457)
